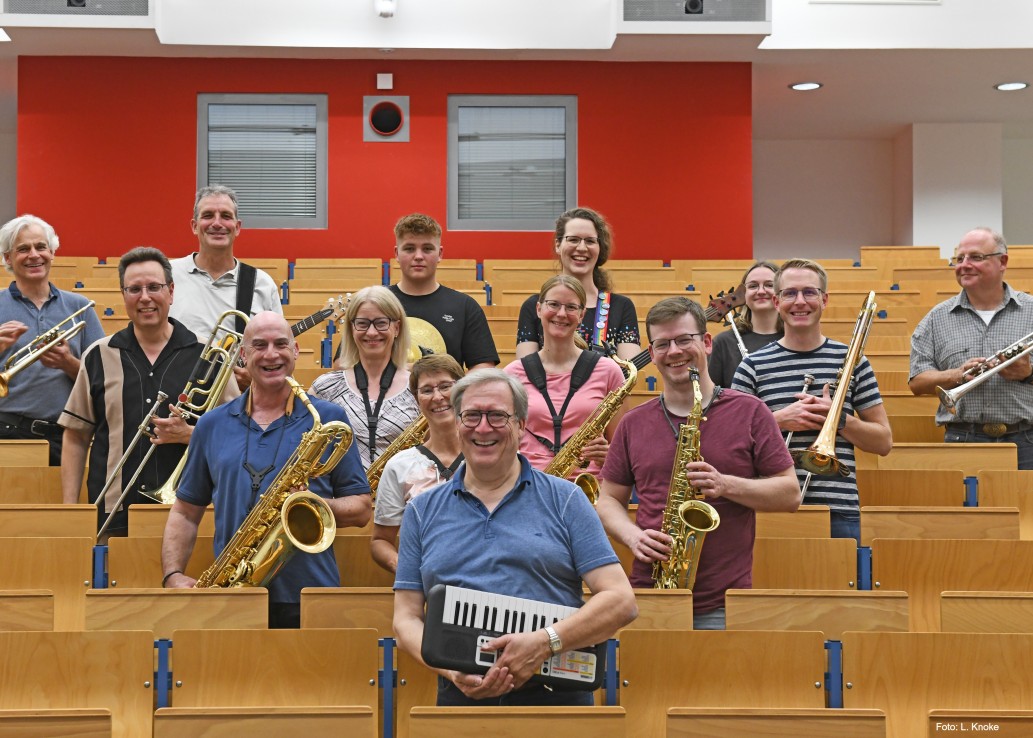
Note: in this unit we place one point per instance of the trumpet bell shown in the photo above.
(948, 400)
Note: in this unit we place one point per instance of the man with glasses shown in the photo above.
(502, 527)
(29, 307)
(962, 335)
(744, 468)
(117, 386)
(776, 375)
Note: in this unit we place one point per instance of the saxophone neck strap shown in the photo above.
(246, 276)
(446, 472)
(373, 413)
(602, 319)
(535, 371)
(667, 415)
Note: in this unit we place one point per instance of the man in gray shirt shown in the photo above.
(29, 307)
(962, 336)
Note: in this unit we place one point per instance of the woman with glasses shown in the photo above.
(421, 467)
(583, 243)
(758, 325)
(373, 386)
(565, 382)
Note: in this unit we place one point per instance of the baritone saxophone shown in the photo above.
(687, 517)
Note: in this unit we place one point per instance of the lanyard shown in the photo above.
(372, 415)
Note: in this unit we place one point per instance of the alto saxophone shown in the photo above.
(568, 458)
(687, 518)
(414, 435)
(284, 522)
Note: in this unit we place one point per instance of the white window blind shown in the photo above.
(511, 161)
(272, 153)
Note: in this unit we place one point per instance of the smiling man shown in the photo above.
(29, 307)
(118, 383)
(954, 340)
(522, 533)
(744, 468)
(237, 451)
(776, 374)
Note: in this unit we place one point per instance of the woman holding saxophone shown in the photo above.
(417, 469)
(758, 325)
(565, 382)
(373, 386)
(739, 464)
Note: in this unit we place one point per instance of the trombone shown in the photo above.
(207, 382)
(983, 371)
(39, 345)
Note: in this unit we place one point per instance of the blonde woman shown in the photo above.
(373, 386)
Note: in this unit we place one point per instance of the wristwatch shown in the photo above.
(555, 644)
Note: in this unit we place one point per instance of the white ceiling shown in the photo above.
(868, 93)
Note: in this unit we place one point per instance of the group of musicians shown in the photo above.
(470, 504)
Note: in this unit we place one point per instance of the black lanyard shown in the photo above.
(372, 415)
(446, 472)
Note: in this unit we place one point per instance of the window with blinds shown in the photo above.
(512, 161)
(271, 149)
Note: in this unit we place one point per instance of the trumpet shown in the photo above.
(820, 457)
(208, 381)
(39, 345)
(983, 371)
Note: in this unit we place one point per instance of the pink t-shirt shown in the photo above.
(605, 377)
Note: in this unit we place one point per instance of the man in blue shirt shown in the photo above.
(502, 527)
(30, 307)
(235, 453)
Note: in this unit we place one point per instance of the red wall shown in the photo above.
(107, 152)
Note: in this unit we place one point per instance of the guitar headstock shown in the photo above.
(724, 303)
(338, 306)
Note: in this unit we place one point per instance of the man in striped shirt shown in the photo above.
(776, 373)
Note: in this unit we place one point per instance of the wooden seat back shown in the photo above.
(19, 452)
(939, 522)
(84, 722)
(417, 687)
(259, 722)
(1001, 722)
(925, 568)
(41, 521)
(518, 722)
(663, 609)
(714, 722)
(986, 612)
(969, 457)
(805, 563)
(830, 612)
(1009, 489)
(740, 669)
(62, 565)
(26, 609)
(30, 485)
(908, 674)
(135, 562)
(809, 521)
(111, 670)
(163, 611)
(943, 487)
(357, 567)
(348, 607)
(149, 520)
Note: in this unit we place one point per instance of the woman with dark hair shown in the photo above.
(583, 243)
(758, 325)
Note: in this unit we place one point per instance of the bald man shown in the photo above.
(235, 453)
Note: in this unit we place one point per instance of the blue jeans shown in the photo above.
(846, 525)
(449, 695)
(1023, 441)
(712, 620)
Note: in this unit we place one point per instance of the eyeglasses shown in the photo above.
(810, 294)
(152, 289)
(662, 345)
(558, 306)
(973, 258)
(444, 388)
(576, 240)
(756, 286)
(496, 418)
(380, 324)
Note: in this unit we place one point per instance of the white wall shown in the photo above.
(821, 199)
(903, 184)
(8, 172)
(1018, 190)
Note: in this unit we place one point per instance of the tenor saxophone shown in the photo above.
(568, 458)
(687, 518)
(284, 521)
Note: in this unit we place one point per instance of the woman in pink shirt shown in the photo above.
(555, 412)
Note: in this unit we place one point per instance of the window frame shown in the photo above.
(321, 104)
(455, 102)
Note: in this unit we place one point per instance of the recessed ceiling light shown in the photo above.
(1011, 86)
(805, 86)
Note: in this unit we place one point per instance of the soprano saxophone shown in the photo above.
(568, 458)
(284, 521)
(687, 518)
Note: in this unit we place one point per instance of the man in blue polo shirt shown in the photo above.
(502, 527)
(237, 450)
(29, 307)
